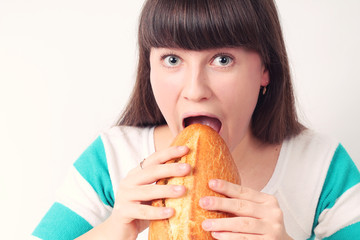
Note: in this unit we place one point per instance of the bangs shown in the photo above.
(199, 24)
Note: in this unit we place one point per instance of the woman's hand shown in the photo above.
(256, 215)
(132, 210)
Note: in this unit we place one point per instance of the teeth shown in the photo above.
(214, 123)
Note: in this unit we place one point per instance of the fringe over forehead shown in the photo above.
(200, 24)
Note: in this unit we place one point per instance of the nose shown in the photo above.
(196, 85)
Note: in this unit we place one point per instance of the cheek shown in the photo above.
(241, 95)
(158, 88)
(239, 101)
(240, 107)
(164, 93)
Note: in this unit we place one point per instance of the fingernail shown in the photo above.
(205, 202)
(178, 188)
(207, 224)
(183, 166)
(168, 211)
(213, 183)
(215, 234)
(182, 148)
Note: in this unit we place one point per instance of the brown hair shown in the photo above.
(205, 24)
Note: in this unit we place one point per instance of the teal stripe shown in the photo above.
(61, 223)
(342, 175)
(348, 233)
(92, 165)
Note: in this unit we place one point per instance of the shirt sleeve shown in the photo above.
(84, 200)
(338, 210)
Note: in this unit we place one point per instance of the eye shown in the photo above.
(222, 61)
(171, 60)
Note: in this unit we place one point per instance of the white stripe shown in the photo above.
(78, 195)
(346, 211)
(125, 147)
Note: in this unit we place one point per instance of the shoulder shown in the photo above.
(312, 142)
(128, 138)
(316, 153)
(119, 139)
(127, 143)
(308, 156)
(305, 159)
(127, 132)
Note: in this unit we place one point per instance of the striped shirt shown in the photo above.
(315, 181)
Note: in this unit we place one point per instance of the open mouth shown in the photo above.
(214, 123)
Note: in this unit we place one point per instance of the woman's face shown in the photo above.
(216, 87)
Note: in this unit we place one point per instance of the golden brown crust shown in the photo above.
(210, 159)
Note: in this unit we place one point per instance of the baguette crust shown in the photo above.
(209, 158)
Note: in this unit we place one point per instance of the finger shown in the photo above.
(236, 236)
(153, 173)
(151, 192)
(237, 191)
(236, 224)
(165, 155)
(134, 211)
(238, 207)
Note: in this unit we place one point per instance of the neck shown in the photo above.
(256, 161)
(248, 146)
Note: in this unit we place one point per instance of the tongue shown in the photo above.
(214, 123)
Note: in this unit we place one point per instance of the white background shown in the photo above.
(67, 68)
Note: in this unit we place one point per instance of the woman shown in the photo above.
(224, 64)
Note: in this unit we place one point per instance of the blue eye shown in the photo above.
(172, 61)
(222, 61)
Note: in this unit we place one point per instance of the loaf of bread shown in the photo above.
(209, 158)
